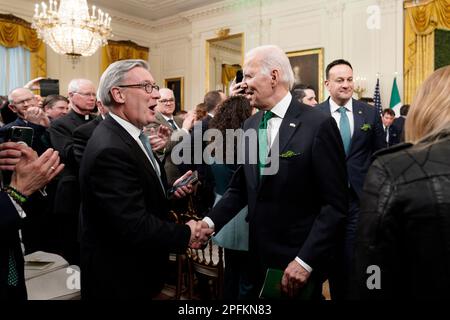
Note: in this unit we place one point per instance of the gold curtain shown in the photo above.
(420, 22)
(121, 50)
(15, 32)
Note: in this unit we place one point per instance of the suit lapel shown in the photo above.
(138, 153)
(358, 120)
(289, 125)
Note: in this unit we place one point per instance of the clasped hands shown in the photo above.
(200, 233)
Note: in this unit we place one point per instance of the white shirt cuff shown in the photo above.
(209, 222)
(303, 264)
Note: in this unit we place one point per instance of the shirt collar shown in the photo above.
(281, 107)
(167, 118)
(130, 128)
(334, 106)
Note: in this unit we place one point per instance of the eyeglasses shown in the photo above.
(164, 101)
(89, 94)
(22, 102)
(148, 87)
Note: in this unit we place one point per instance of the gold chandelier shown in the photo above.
(70, 29)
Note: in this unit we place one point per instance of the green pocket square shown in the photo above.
(289, 154)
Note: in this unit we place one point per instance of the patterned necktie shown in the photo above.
(148, 149)
(344, 128)
(172, 123)
(13, 276)
(263, 140)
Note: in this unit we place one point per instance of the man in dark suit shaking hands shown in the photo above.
(360, 129)
(296, 212)
(125, 233)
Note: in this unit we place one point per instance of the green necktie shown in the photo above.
(13, 276)
(263, 140)
(344, 128)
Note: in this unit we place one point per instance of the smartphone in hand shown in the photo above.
(192, 179)
(20, 134)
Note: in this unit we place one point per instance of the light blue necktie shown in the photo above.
(263, 140)
(148, 148)
(344, 128)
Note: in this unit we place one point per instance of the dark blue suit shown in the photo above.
(299, 211)
(366, 139)
(10, 242)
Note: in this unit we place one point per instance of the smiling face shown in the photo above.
(258, 86)
(136, 105)
(166, 104)
(22, 99)
(340, 83)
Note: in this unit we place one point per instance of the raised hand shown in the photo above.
(37, 116)
(9, 155)
(32, 173)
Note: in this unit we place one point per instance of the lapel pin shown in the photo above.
(292, 125)
(359, 112)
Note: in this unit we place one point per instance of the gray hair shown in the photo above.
(74, 84)
(10, 94)
(273, 57)
(113, 76)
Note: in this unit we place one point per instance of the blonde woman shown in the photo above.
(403, 244)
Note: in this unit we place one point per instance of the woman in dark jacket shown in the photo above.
(403, 244)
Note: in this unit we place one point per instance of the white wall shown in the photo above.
(338, 26)
(177, 44)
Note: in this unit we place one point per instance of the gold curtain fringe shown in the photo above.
(420, 22)
(16, 32)
(121, 50)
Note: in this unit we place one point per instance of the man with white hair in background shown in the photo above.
(295, 213)
(82, 96)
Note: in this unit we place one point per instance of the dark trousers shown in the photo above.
(237, 285)
(342, 266)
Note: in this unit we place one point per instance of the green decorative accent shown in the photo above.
(441, 48)
(288, 154)
(366, 127)
(16, 195)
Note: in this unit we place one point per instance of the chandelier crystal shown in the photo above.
(70, 29)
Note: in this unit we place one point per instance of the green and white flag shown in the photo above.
(395, 102)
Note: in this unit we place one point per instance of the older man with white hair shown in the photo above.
(297, 212)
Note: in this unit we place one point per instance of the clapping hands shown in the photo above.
(200, 233)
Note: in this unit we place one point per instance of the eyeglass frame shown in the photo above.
(165, 101)
(90, 95)
(145, 86)
(22, 102)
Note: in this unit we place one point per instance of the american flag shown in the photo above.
(377, 97)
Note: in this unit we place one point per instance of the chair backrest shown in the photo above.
(208, 265)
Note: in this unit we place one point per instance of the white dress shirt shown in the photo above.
(134, 132)
(334, 108)
(273, 126)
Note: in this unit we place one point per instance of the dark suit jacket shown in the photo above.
(300, 210)
(399, 124)
(394, 137)
(66, 204)
(9, 241)
(81, 136)
(363, 143)
(125, 234)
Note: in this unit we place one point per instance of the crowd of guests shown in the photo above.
(100, 177)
